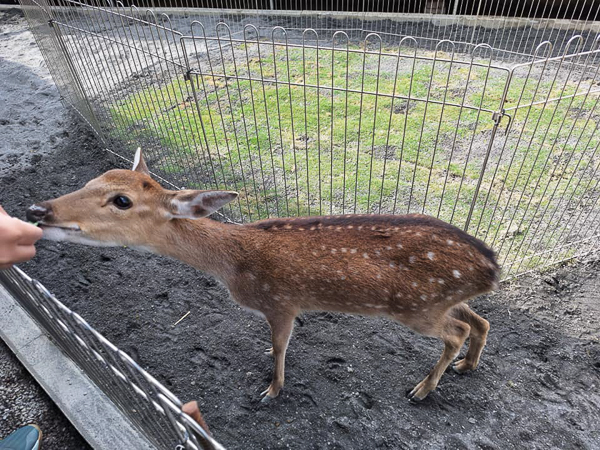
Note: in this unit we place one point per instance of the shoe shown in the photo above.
(24, 438)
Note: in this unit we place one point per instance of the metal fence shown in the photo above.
(146, 402)
(485, 116)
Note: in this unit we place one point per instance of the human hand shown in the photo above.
(17, 239)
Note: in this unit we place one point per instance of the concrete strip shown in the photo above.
(95, 416)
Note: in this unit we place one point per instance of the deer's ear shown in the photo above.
(198, 204)
(139, 165)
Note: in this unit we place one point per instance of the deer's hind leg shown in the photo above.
(477, 336)
(453, 332)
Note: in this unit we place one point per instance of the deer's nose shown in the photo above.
(39, 212)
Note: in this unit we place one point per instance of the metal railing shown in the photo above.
(151, 407)
(486, 121)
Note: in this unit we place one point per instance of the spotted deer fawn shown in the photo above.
(415, 269)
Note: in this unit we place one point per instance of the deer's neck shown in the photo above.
(205, 244)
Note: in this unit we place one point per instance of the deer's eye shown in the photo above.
(122, 202)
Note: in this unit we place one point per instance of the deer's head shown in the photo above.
(122, 207)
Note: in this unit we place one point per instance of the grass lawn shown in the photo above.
(332, 132)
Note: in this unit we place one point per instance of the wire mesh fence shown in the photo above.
(146, 402)
(483, 114)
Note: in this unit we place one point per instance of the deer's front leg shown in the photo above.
(281, 330)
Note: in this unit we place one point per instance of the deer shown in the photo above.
(413, 269)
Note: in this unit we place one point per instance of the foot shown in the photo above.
(420, 391)
(463, 366)
(26, 438)
(269, 351)
(270, 393)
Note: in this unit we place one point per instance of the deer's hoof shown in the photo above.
(418, 393)
(269, 351)
(266, 399)
(462, 367)
(269, 394)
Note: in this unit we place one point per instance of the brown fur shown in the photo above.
(414, 269)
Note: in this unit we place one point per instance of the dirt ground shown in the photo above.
(537, 386)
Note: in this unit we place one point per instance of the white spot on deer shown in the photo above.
(323, 247)
(301, 228)
(423, 297)
(266, 287)
(377, 252)
(313, 228)
(412, 259)
(471, 268)
(456, 273)
(373, 228)
(314, 253)
(276, 297)
(288, 227)
(398, 245)
(432, 280)
(396, 228)
(344, 249)
(338, 228)
(415, 284)
(398, 294)
(392, 265)
(343, 277)
(333, 251)
(360, 227)
(425, 310)
(450, 242)
(388, 247)
(353, 250)
(366, 255)
(369, 305)
(441, 280)
(379, 276)
(431, 255)
(350, 227)
(418, 233)
(386, 290)
(379, 306)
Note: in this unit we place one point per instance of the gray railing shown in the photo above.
(151, 407)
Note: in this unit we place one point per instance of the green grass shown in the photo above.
(291, 148)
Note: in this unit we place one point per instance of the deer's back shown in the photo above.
(365, 264)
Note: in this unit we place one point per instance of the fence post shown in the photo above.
(497, 118)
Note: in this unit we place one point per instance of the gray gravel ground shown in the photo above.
(29, 129)
(23, 401)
